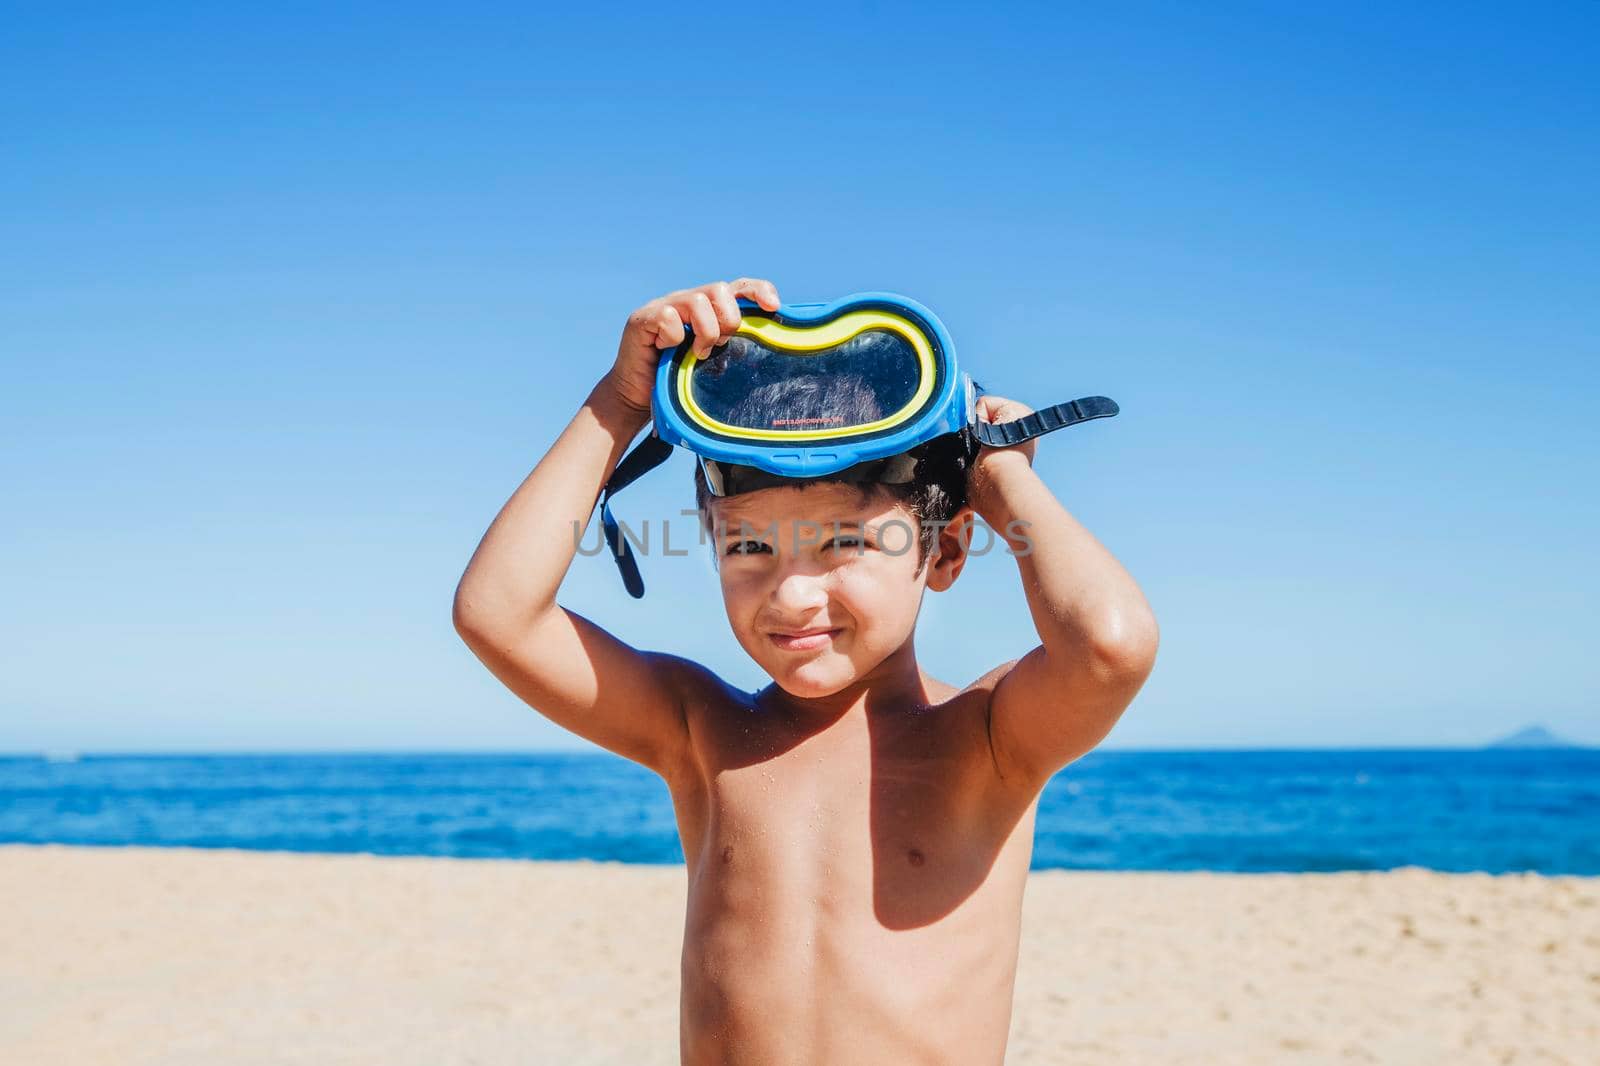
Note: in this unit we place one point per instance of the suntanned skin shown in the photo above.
(858, 832)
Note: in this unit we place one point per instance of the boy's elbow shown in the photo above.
(464, 616)
(1124, 644)
(473, 615)
(482, 615)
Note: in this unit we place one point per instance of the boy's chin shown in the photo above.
(815, 680)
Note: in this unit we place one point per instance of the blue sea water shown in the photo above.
(1494, 811)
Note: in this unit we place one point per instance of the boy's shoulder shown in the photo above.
(980, 694)
(989, 680)
(694, 681)
(703, 697)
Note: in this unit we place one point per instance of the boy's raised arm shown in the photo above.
(1098, 635)
(572, 671)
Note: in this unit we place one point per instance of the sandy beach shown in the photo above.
(144, 956)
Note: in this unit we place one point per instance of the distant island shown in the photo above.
(1535, 737)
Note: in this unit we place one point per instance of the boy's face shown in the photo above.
(820, 585)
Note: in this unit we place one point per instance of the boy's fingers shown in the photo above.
(763, 292)
(669, 327)
(726, 307)
(1000, 409)
(704, 320)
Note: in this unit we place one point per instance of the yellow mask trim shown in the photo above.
(809, 340)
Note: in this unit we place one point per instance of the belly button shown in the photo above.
(727, 854)
(915, 857)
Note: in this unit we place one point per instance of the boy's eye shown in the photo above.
(746, 547)
(851, 542)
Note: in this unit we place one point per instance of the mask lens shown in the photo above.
(751, 385)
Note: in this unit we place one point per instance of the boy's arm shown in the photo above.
(572, 671)
(1098, 635)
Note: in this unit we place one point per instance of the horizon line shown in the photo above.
(112, 753)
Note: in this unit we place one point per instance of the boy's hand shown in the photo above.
(711, 310)
(991, 461)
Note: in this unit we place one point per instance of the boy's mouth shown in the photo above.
(802, 639)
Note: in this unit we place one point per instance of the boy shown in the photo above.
(858, 832)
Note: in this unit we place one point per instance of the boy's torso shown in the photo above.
(855, 886)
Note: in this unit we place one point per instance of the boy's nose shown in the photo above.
(798, 591)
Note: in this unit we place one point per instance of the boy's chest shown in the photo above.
(898, 772)
(899, 817)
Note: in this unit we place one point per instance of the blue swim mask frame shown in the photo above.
(851, 390)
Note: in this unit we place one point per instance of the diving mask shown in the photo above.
(847, 389)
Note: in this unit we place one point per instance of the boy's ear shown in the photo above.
(950, 551)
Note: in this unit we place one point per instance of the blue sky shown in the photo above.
(290, 300)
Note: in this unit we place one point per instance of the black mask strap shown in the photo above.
(1038, 423)
(645, 457)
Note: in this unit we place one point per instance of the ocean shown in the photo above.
(1493, 811)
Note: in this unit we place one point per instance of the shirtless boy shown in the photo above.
(858, 832)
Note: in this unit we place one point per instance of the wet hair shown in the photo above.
(936, 491)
